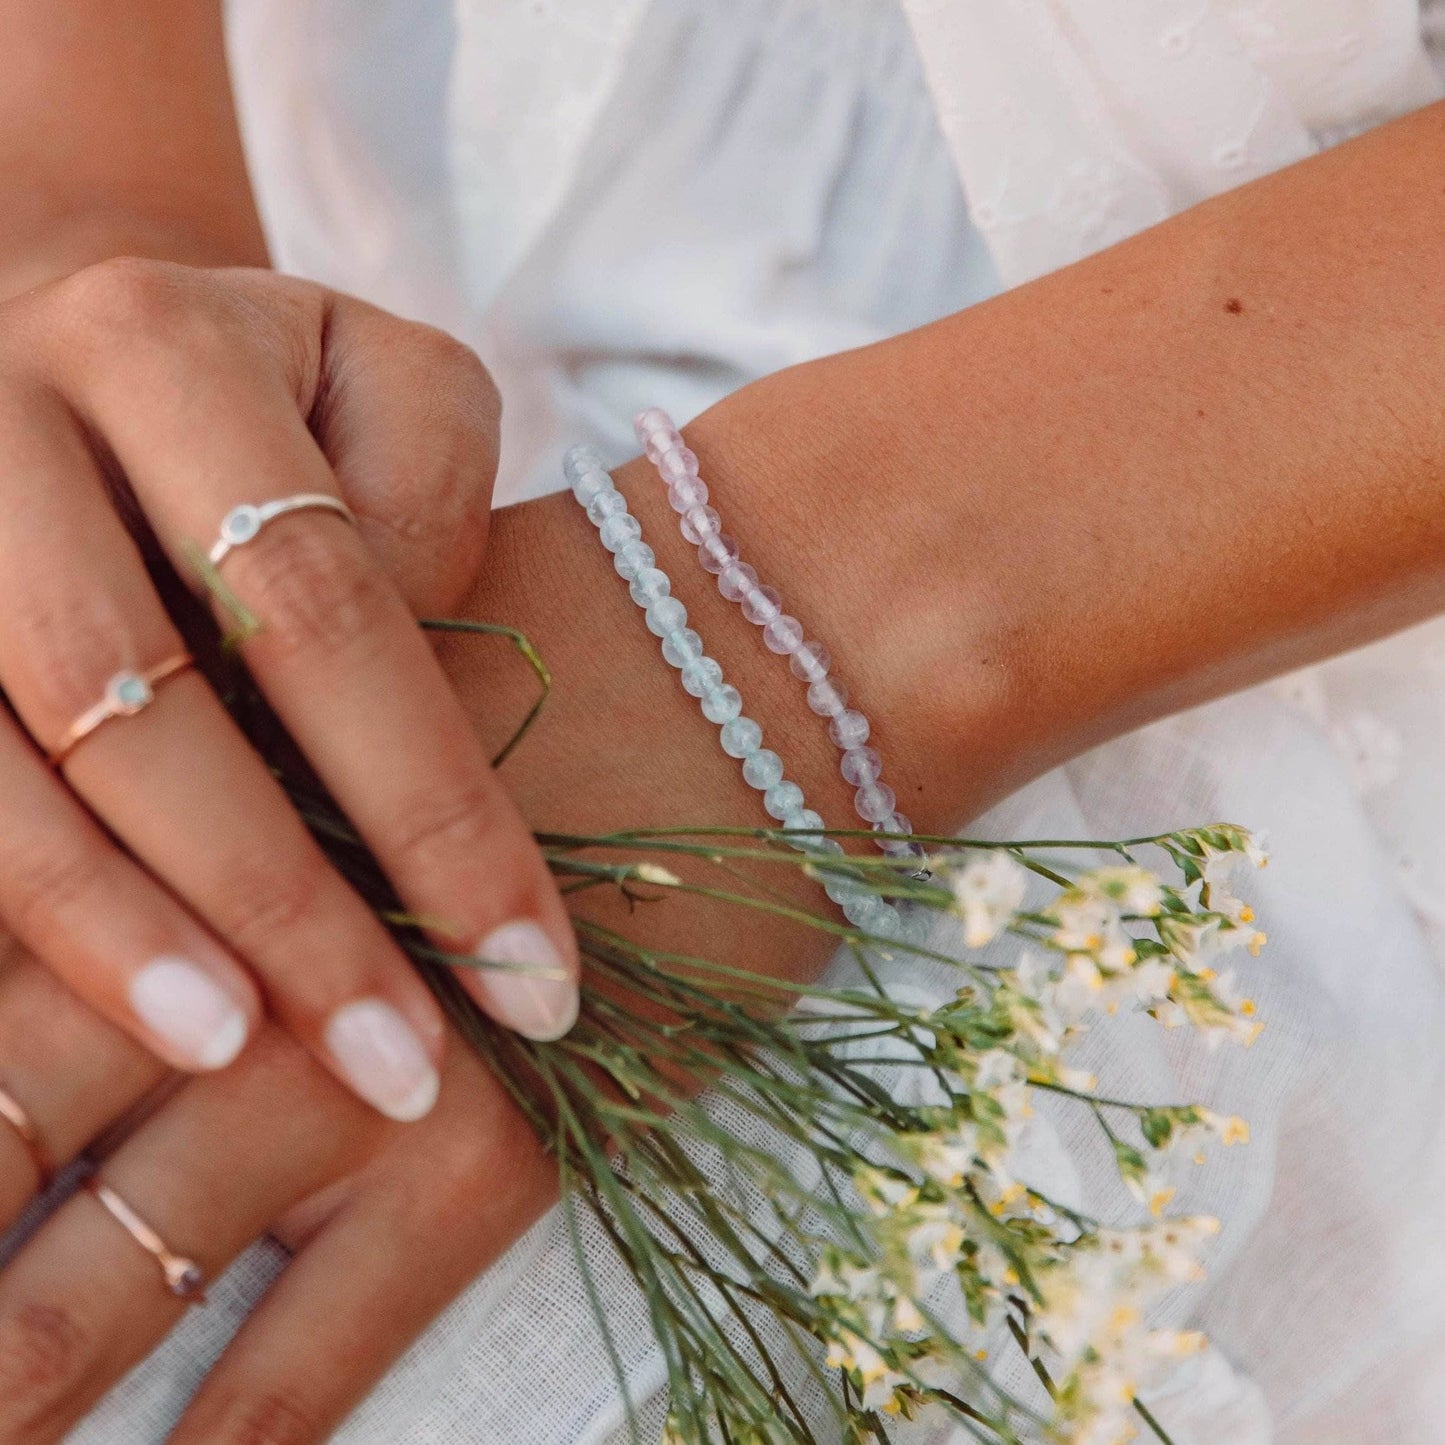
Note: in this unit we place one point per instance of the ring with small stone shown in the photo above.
(184, 1277)
(126, 694)
(244, 523)
(18, 1118)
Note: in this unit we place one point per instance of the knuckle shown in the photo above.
(270, 1418)
(42, 1349)
(269, 900)
(311, 595)
(439, 823)
(127, 296)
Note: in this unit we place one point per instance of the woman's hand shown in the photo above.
(159, 854)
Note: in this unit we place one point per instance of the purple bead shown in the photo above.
(810, 663)
(736, 580)
(659, 444)
(761, 605)
(677, 465)
(716, 551)
(783, 634)
(894, 825)
(689, 493)
(861, 766)
(700, 522)
(648, 421)
(849, 730)
(875, 802)
(828, 696)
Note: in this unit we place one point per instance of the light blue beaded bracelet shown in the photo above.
(702, 676)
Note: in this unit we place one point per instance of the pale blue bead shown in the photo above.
(608, 503)
(649, 586)
(783, 799)
(844, 890)
(702, 675)
(590, 485)
(666, 615)
(804, 820)
(763, 769)
(682, 647)
(874, 915)
(618, 531)
(740, 737)
(722, 704)
(580, 460)
(632, 558)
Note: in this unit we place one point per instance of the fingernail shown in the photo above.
(182, 1004)
(538, 1007)
(380, 1054)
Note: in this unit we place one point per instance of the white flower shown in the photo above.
(987, 894)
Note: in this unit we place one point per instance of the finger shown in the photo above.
(379, 1271)
(338, 655)
(409, 420)
(179, 785)
(73, 1073)
(121, 941)
(83, 1302)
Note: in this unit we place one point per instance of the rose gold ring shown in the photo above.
(20, 1121)
(126, 694)
(184, 1277)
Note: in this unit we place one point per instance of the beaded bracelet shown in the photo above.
(741, 737)
(809, 661)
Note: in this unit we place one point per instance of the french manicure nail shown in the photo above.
(182, 1004)
(380, 1054)
(539, 1003)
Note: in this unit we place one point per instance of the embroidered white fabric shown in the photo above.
(614, 200)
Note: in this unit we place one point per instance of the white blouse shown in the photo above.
(618, 202)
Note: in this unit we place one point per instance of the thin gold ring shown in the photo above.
(126, 694)
(14, 1114)
(184, 1277)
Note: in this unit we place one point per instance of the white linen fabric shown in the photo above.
(620, 202)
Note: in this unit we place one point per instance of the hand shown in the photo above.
(161, 852)
(387, 1222)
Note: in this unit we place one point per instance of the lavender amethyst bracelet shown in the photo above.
(809, 661)
(741, 737)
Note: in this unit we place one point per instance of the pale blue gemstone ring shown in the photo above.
(126, 694)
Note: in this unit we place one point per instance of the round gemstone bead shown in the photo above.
(650, 420)
(617, 531)
(741, 737)
(763, 770)
(666, 615)
(825, 845)
(721, 705)
(805, 820)
(677, 464)
(633, 557)
(682, 647)
(875, 803)
(605, 504)
(701, 675)
(874, 915)
(761, 605)
(810, 663)
(580, 460)
(700, 522)
(828, 696)
(896, 824)
(659, 443)
(843, 889)
(591, 485)
(861, 766)
(736, 580)
(783, 799)
(783, 634)
(686, 494)
(648, 586)
(849, 730)
(716, 551)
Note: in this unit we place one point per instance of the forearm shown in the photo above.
(1206, 456)
(118, 136)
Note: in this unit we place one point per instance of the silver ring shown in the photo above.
(244, 523)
